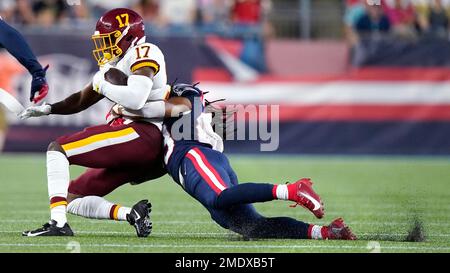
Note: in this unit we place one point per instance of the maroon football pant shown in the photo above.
(115, 155)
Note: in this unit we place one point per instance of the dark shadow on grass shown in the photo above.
(416, 233)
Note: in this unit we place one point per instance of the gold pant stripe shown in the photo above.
(95, 138)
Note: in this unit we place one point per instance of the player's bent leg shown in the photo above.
(246, 221)
(95, 207)
(135, 144)
(246, 193)
(95, 183)
(213, 169)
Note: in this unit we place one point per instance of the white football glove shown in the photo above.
(99, 78)
(36, 111)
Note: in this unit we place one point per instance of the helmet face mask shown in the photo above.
(116, 31)
(106, 48)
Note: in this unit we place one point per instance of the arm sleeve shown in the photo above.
(133, 95)
(16, 45)
(152, 109)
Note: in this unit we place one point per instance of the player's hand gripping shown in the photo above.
(99, 78)
(36, 111)
(39, 85)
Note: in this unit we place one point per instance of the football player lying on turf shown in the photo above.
(194, 159)
(117, 153)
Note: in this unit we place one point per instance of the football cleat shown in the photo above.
(50, 229)
(303, 194)
(139, 217)
(338, 230)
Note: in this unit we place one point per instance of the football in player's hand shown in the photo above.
(116, 77)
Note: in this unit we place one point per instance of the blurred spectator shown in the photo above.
(177, 13)
(249, 18)
(48, 12)
(401, 14)
(354, 10)
(99, 7)
(247, 11)
(7, 8)
(148, 9)
(434, 20)
(373, 21)
(211, 14)
(17, 11)
(438, 20)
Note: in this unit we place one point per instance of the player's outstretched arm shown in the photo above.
(16, 45)
(71, 105)
(77, 102)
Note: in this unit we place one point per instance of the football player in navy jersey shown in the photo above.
(13, 41)
(194, 159)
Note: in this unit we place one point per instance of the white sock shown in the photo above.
(316, 232)
(282, 192)
(96, 207)
(122, 213)
(58, 179)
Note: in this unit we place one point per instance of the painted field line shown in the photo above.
(106, 221)
(197, 246)
(439, 203)
(212, 234)
(331, 214)
(215, 234)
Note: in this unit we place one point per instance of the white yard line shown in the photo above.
(350, 223)
(289, 213)
(199, 246)
(212, 234)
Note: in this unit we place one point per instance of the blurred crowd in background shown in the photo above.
(404, 18)
(174, 16)
(407, 19)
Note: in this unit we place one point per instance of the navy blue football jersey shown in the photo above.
(191, 129)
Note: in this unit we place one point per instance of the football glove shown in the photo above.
(39, 85)
(36, 111)
(99, 78)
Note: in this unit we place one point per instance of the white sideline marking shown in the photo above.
(153, 233)
(228, 246)
(216, 234)
(106, 221)
(331, 214)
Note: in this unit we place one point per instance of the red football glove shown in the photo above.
(39, 85)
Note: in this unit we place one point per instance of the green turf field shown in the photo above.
(380, 198)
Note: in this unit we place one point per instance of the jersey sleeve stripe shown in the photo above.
(145, 63)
